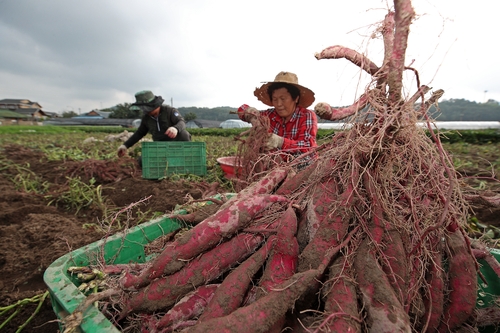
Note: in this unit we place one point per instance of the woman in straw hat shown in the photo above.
(292, 125)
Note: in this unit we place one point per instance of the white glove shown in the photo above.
(172, 132)
(249, 114)
(275, 141)
(252, 116)
(122, 150)
(323, 110)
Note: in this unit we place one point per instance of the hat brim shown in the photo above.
(143, 108)
(305, 100)
(147, 107)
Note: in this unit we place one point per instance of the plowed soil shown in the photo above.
(33, 234)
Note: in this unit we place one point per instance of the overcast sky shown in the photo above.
(81, 55)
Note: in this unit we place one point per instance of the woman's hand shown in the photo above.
(274, 142)
(323, 110)
(248, 114)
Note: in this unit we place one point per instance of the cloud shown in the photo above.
(92, 54)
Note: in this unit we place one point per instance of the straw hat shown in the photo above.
(306, 95)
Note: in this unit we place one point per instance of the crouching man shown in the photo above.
(164, 122)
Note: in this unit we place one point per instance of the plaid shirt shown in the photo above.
(299, 132)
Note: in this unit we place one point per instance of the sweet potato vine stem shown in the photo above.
(360, 60)
(404, 14)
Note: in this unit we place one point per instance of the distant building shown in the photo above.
(13, 104)
(52, 114)
(194, 124)
(34, 113)
(7, 114)
(25, 107)
(202, 123)
(94, 114)
(234, 123)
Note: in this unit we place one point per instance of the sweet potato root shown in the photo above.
(395, 263)
(434, 295)
(262, 314)
(235, 286)
(202, 237)
(190, 306)
(282, 261)
(163, 292)
(385, 312)
(462, 283)
(341, 312)
(333, 223)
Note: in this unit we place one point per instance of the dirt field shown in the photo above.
(33, 234)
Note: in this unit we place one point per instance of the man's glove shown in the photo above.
(122, 150)
(274, 141)
(323, 110)
(248, 114)
(172, 132)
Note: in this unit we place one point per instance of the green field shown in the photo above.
(477, 151)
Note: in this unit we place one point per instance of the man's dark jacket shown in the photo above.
(167, 117)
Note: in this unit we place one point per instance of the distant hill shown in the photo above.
(464, 110)
(219, 113)
(449, 110)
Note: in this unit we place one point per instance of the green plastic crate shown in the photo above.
(164, 158)
(119, 249)
(490, 291)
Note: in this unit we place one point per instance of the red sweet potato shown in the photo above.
(377, 226)
(282, 261)
(266, 185)
(384, 311)
(433, 297)
(395, 263)
(337, 52)
(462, 283)
(233, 289)
(162, 293)
(202, 237)
(190, 306)
(293, 183)
(319, 206)
(262, 314)
(341, 303)
(393, 258)
(333, 223)
(302, 236)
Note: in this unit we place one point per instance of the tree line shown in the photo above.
(446, 110)
(464, 110)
